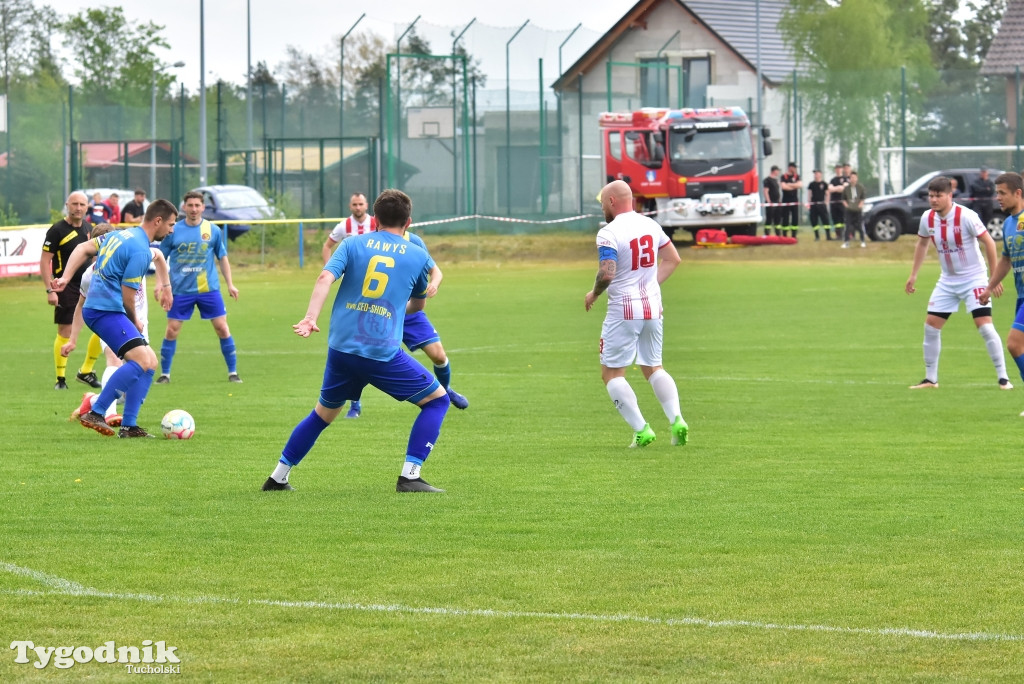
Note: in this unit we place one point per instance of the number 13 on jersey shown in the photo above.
(642, 249)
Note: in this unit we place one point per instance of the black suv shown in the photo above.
(886, 217)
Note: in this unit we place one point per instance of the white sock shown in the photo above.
(668, 395)
(107, 372)
(932, 347)
(994, 345)
(625, 401)
(280, 473)
(411, 470)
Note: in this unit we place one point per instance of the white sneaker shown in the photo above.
(845, 245)
(863, 244)
(1004, 384)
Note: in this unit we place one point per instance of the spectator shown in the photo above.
(853, 210)
(982, 191)
(790, 210)
(133, 211)
(836, 186)
(114, 208)
(772, 198)
(98, 212)
(818, 191)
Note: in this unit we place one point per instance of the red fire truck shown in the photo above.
(695, 167)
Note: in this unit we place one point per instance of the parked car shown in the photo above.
(886, 217)
(235, 203)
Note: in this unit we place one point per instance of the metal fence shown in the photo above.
(490, 137)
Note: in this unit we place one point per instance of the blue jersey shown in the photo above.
(123, 259)
(1013, 249)
(379, 273)
(192, 254)
(418, 241)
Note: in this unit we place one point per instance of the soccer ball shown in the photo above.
(178, 424)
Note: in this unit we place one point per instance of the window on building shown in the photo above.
(653, 83)
(697, 72)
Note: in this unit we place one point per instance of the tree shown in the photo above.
(962, 102)
(852, 54)
(17, 18)
(114, 59)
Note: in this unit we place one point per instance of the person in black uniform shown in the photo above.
(791, 185)
(818, 191)
(61, 239)
(982, 191)
(772, 198)
(836, 186)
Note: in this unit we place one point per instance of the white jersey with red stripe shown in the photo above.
(955, 237)
(634, 293)
(350, 227)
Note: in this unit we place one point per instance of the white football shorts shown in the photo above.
(946, 297)
(622, 342)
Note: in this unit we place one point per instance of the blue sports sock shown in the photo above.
(123, 378)
(303, 438)
(444, 374)
(167, 355)
(1019, 360)
(227, 348)
(134, 396)
(426, 428)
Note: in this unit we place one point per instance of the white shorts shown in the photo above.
(622, 342)
(946, 297)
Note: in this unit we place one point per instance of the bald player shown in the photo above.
(635, 258)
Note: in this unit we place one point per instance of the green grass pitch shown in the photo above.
(824, 523)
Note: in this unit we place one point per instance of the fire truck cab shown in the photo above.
(688, 168)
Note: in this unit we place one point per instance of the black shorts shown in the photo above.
(67, 300)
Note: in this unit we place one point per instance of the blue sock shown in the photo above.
(134, 396)
(303, 438)
(426, 428)
(227, 348)
(444, 374)
(123, 378)
(1019, 360)
(167, 355)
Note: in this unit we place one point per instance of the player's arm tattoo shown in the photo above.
(605, 275)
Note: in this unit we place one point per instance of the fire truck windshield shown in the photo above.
(694, 150)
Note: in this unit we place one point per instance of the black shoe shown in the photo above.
(61, 384)
(272, 485)
(89, 379)
(95, 421)
(232, 377)
(132, 431)
(164, 379)
(416, 485)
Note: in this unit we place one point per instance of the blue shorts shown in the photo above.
(345, 376)
(211, 305)
(1018, 321)
(418, 332)
(115, 329)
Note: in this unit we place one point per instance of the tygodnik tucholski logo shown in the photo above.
(149, 658)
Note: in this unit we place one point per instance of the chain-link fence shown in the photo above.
(474, 126)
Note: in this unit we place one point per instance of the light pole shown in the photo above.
(249, 171)
(202, 95)
(152, 127)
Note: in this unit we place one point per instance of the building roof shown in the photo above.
(1007, 49)
(733, 22)
(730, 22)
(100, 155)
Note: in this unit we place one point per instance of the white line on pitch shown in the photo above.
(63, 587)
